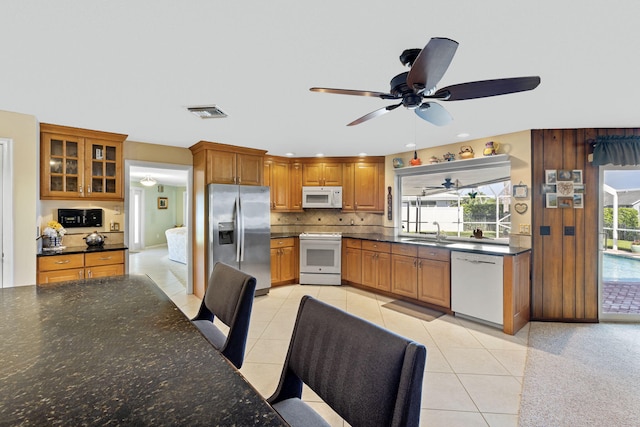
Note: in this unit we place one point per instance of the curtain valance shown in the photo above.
(616, 150)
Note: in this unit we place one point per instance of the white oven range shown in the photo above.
(320, 255)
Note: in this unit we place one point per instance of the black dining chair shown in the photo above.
(229, 297)
(366, 374)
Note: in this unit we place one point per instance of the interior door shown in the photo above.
(619, 278)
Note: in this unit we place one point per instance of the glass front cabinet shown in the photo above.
(80, 163)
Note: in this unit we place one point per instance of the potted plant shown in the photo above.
(635, 246)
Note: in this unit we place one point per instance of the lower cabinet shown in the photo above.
(434, 276)
(284, 261)
(404, 270)
(60, 268)
(376, 265)
(352, 260)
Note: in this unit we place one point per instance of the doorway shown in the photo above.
(619, 265)
(166, 177)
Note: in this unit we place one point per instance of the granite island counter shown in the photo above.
(114, 351)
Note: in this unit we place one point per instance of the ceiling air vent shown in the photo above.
(208, 112)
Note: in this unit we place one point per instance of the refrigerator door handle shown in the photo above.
(238, 227)
(241, 230)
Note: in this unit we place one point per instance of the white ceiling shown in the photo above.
(133, 67)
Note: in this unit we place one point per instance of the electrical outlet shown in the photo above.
(525, 229)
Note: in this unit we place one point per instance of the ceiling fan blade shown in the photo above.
(374, 114)
(434, 113)
(354, 92)
(431, 64)
(486, 88)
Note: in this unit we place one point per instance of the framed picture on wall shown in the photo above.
(565, 202)
(552, 200)
(163, 203)
(564, 175)
(576, 176)
(578, 200)
(550, 176)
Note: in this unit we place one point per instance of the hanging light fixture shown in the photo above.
(147, 181)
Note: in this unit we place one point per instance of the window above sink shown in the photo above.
(460, 196)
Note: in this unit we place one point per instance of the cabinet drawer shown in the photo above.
(60, 262)
(105, 271)
(45, 277)
(103, 258)
(369, 245)
(438, 254)
(282, 243)
(407, 250)
(352, 243)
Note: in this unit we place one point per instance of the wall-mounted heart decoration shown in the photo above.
(521, 208)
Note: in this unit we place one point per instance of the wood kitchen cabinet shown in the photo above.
(363, 187)
(225, 167)
(80, 164)
(434, 276)
(60, 268)
(321, 174)
(276, 177)
(284, 179)
(295, 182)
(404, 270)
(376, 265)
(352, 260)
(284, 261)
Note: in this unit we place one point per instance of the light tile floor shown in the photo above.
(473, 376)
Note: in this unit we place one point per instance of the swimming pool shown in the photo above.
(620, 269)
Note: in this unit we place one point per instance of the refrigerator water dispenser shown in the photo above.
(225, 233)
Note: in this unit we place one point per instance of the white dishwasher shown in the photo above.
(476, 286)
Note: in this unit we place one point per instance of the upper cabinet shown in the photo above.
(363, 186)
(80, 164)
(226, 167)
(284, 178)
(322, 174)
(361, 179)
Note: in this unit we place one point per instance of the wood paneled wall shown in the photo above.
(565, 267)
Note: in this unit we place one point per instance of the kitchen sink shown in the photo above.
(424, 241)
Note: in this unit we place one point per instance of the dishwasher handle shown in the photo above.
(476, 261)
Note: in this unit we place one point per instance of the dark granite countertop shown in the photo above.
(473, 245)
(114, 351)
(284, 235)
(83, 249)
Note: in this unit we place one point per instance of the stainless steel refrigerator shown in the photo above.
(240, 230)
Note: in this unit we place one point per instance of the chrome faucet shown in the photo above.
(438, 233)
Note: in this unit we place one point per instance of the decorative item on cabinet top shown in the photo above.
(466, 152)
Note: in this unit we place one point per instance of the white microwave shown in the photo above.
(322, 197)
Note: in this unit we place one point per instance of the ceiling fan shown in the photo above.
(428, 65)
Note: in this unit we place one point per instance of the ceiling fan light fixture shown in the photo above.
(147, 181)
(208, 112)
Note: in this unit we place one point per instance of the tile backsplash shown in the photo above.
(328, 220)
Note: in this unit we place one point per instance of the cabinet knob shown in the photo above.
(80, 189)
(66, 261)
